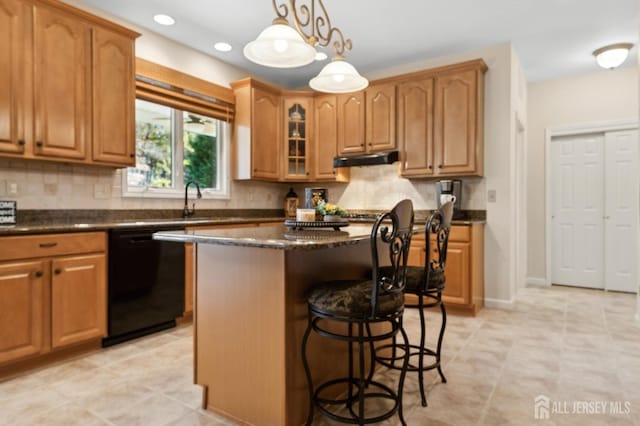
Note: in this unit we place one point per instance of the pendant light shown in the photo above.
(282, 46)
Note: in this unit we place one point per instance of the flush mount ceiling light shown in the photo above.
(613, 55)
(281, 46)
(164, 19)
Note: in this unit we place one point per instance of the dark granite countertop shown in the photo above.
(61, 221)
(275, 237)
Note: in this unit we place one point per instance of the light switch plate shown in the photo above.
(491, 196)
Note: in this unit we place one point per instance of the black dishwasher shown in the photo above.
(146, 283)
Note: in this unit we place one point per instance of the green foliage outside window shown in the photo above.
(200, 159)
(153, 147)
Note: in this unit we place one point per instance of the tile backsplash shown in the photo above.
(41, 185)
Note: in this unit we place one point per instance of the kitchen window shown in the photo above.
(174, 147)
(182, 135)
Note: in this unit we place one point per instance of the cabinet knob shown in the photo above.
(21, 142)
(439, 166)
(361, 144)
(307, 173)
(57, 271)
(38, 274)
(132, 155)
(334, 172)
(430, 166)
(39, 143)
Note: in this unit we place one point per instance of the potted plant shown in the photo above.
(330, 212)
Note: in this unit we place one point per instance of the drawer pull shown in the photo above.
(48, 245)
(21, 142)
(57, 271)
(39, 144)
(38, 274)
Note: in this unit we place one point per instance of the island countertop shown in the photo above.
(275, 237)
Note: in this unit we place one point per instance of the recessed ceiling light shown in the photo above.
(164, 19)
(321, 56)
(222, 46)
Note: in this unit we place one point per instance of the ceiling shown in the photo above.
(552, 38)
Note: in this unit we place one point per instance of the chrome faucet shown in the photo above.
(186, 212)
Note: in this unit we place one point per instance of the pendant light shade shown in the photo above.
(338, 76)
(280, 46)
(612, 56)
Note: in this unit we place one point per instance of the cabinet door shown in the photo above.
(265, 135)
(62, 84)
(113, 98)
(457, 286)
(456, 121)
(416, 252)
(415, 127)
(351, 132)
(298, 117)
(21, 309)
(325, 138)
(15, 76)
(381, 117)
(78, 299)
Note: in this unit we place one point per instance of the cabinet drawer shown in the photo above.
(460, 233)
(33, 246)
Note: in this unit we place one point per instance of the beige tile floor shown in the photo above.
(573, 346)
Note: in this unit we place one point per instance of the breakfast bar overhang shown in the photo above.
(250, 313)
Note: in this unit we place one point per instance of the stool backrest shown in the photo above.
(437, 232)
(397, 237)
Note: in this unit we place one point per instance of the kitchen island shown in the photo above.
(251, 312)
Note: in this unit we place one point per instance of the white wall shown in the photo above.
(598, 97)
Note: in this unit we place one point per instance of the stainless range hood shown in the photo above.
(366, 159)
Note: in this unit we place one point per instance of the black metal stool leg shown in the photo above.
(403, 372)
(423, 396)
(307, 372)
(440, 338)
(372, 349)
(361, 385)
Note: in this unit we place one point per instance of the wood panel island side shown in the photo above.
(251, 312)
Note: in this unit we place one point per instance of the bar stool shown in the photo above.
(427, 283)
(359, 305)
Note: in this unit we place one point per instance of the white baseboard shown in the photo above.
(498, 304)
(537, 281)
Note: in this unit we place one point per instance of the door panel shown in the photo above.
(78, 299)
(21, 309)
(351, 119)
(415, 127)
(265, 135)
(577, 210)
(62, 79)
(621, 210)
(325, 139)
(456, 271)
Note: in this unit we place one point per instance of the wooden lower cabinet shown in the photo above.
(464, 270)
(78, 299)
(21, 309)
(51, 302)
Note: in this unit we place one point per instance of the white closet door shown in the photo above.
(577, 211)
(621, 210)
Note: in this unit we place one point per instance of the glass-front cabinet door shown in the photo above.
(297, 125)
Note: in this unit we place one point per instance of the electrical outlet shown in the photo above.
(12, 188)
(491, 196)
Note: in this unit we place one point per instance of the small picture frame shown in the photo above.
(8, 212)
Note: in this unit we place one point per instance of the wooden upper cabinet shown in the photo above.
(265, 135)
(458, 123)
(14, 74)
(113, 98)
(325, 140)
(297, 132)
(78, 299)
(380, 117)
(62, 84)
(21, 309)
(351, 119)
(415, 127)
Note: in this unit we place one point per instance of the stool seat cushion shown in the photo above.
(416, 276)
(352, 299)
